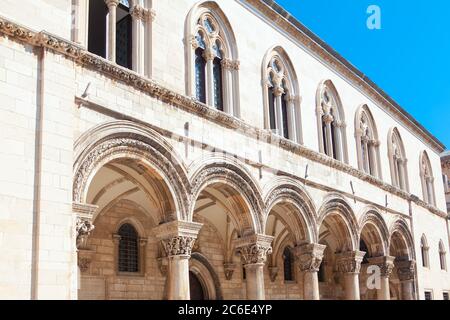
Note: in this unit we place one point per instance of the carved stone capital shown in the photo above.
(112, 3)
(309, 256)
(84, 227)
(178, 237)
(140, 13)
(254, 249)
(278, 91)
(328, 118)
(209, 54)
(229, 270)
(386, 264)
(85, 259)
(350, 262)
(405, 269)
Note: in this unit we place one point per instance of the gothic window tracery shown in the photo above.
(427, 179)
(397, 160)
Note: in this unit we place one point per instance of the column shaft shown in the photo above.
(255, 281)
(112, 10)
(178, 278)
(351, 286)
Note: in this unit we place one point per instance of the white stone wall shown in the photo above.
(64, 123)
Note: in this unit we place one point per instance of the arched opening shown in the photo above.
(132, 199)
(336, 234)
(403, 275)
(196, 287)
(373, 239)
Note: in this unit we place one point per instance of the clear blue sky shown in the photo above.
(409, 58)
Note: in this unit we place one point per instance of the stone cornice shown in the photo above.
(294, 28)
(155, 90)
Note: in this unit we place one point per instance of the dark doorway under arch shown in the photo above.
(196, 288)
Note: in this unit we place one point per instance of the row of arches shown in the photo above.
(214, 47)
(212, 77)
(124, 168)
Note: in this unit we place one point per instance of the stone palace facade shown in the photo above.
(184, 149)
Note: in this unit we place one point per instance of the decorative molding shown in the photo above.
(229, 270)
(406, 269)
(85, 259)
(273, 273)
(254, 249)
(190, 104)
(386, 264)
(309, 256)
(83, 227)
(178, 246)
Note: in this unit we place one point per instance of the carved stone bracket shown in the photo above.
(273, 273)
(163, 265)
(386, 264)
(178, 237)
(350, 262)
(254, 249)
(309, 256)
(84, 215)
(406, 269)
(229, 270)
(85, 259)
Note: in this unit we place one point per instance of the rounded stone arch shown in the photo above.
(286, 190)
(231, 173)
(401, 243)
(137, 225)
(117, 140)
(202, 268)
(336, 207)
(375, 230)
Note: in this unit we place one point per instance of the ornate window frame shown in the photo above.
(279, 80)
(367, 142)
(329, 111)
(208, 28)
(142, 16)
(142, 248)
(397, 160)
(427, 179)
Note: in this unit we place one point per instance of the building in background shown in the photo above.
(192, 149)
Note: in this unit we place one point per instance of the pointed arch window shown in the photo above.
(367, 143)
(331, 122)
(424, 252)
(288, 264)
(212, 59)
(427, 179)
(281, 98)
(442, 256)
(397, 160)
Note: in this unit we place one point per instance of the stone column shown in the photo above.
(278, 93)
(209, 56)
(309, 257)
(138, 18)
(358, 135)
(292, 118)
(254, 250)
(386, 265)
(328, 119)
(227, 86)
(178, 238)
(349, 263)
(365, 144)
(112, 10)
(338, 139)
(406, 272)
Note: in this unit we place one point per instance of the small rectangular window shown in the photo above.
(445, 296)
(428, 295)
